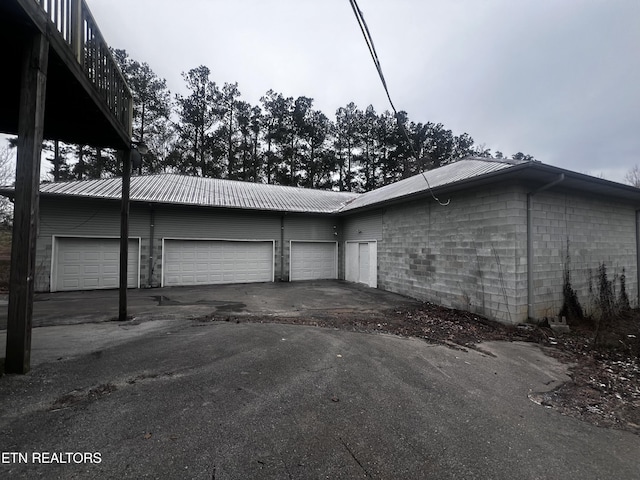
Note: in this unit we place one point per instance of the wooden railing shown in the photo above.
(75, 23)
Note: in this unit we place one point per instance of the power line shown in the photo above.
(376, 61)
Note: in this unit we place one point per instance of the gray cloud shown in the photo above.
(558, 80)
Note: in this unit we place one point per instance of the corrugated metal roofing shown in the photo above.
(212, 192)
(449, 174)
(209, 192)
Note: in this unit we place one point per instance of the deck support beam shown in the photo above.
(25, 223)
(124, 234)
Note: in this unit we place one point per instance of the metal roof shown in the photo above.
(212, 192)
(208, 192)
(454, 172)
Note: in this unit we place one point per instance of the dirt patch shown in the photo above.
(605, 385)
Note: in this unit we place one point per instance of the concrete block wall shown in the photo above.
(595, 231)
(464, 255)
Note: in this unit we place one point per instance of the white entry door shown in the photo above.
(208, 262)
(361, 263)
(364, 261)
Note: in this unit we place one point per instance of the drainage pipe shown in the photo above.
(282, 248)
(530, 242)
(152, 221)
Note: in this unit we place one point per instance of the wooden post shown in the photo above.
(124, 234)
(25, 223)
(124, 223)
(77, 30)
(56, 161)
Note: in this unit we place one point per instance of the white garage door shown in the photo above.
(313, 260)
(207, 262)
(92, 264)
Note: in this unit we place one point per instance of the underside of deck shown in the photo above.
(74, 109)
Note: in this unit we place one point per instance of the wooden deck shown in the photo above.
(87, 98)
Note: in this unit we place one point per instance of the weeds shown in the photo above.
(606, 299)
(479, 273)
(502, 284)
(607, 303)
(623, 298)
(571, 308)
(610, 306)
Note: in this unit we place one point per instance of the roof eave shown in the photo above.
(517, 172)
(9, 193)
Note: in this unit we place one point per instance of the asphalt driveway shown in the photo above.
(220, 400)
(312, 298)
(187, 394)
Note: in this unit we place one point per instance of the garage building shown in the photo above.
(491, 236)
(185, 231)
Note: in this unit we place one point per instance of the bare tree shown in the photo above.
(632, 177)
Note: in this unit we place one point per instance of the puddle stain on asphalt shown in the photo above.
(221, 305)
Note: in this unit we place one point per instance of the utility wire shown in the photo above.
(376, 61)
(372, 49)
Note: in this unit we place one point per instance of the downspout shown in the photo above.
(152, 221)
(281, 248)
(530, 242)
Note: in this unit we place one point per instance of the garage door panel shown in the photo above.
(110, 270)
(206, 262)
(170, 257)
(93, 271)
(71, 269)
(71, 257)
(313, 260)
(91, 283)
(92, 263)
(216, 278)
(91, 257)
(172, 268)
(70, 285)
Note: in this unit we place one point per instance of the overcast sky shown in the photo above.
(557, 79)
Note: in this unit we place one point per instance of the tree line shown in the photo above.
(212, 132)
